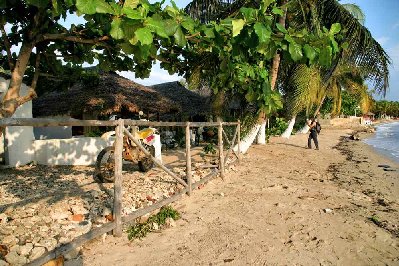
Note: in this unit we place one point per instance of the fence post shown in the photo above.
(188, 160)
(117, 215)
(239, 140)
(220, 144)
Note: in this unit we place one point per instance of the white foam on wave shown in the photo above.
(386, 140)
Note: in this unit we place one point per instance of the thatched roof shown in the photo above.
(113, 94)
(190, 103)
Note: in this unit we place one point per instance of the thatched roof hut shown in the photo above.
(113, 94)
(190, 103)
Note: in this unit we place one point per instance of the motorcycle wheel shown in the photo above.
(146, 164)
(105, 165)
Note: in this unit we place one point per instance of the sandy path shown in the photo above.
(271, 211)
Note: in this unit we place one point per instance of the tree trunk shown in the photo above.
(12, 100)
(261, 136)
(274, 72)
(288, 131)
(248, 140)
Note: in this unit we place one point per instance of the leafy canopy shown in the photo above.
(133, 34)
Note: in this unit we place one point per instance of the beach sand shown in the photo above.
(283, 205)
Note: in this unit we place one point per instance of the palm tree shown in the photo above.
(363, 52)
(363, 59)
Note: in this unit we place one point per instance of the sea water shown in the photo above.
(386, 140)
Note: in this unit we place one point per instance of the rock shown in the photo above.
(3, 250)
(144, 218)
(49, 244)
(14, 259)
(3, 218)
(3, 263)
(16, 248)
(26, 249)
(83, 227)
(155, 226)
(169, 222)
(79, 209)
(106, 211)
(60, 215)
(77, 217)
(10, 240)
(384, 166)
(221, 194)
(36, 253)
(328, 210)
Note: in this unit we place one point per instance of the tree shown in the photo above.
(362, 53)
(298, 46)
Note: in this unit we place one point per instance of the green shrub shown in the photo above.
(140, 230)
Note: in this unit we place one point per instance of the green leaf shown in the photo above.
(295, 50)
(281, 28)
(288, 38)
(264, 33)
(277, 11)
(156, 25)
(310, 53)
(127, 48)
(238, 25)
(180, 39)
(209, 33)
(268, 50)
(144, 36)
(325, 56)
(86, 6)
(250, 96)
(249, 14)
(188, 24)
(129, 27)
(132, 13)
(170, 27)
(38, 3)
(57, 8)
(103, 7)
(335, 46)
(131, 3)
(335, 28)
(116, 29)
(173, 12)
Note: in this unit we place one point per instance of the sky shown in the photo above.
(158, 75)
(382, 20)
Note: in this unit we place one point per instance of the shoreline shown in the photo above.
(379, 150)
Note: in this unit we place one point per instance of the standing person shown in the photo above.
(313, 133)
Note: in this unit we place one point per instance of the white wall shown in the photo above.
(18, 144)
(75, 151)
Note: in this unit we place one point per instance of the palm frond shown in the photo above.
(364, 51)
(303, 89)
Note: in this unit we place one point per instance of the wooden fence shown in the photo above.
(120, 130)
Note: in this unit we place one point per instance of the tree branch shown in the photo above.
(8, 47)
(37, 71)
(71, 38)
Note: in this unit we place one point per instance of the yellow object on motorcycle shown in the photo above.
(144, 133)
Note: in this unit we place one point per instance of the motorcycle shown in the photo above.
(105, 162)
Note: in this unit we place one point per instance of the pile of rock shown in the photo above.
(42, 207)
